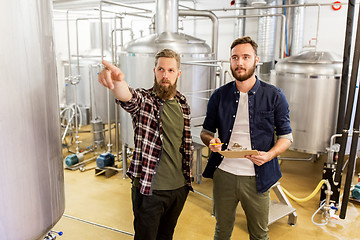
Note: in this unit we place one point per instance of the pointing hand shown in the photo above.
(109, 75)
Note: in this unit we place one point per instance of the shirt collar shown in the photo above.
(256, 86)
(253, 90)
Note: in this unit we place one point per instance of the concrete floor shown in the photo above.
(106, 201)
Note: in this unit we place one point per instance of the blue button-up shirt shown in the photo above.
(268, 115)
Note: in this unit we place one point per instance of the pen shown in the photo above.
(216, 144)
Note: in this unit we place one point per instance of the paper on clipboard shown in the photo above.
(238, 154)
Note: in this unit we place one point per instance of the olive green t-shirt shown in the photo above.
(169, 174)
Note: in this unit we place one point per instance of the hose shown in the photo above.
(324, 204)
(323, 181)
(313, 216)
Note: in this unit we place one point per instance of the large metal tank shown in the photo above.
(31, 180)
(311, 83)
(92, 98)
(137, 62)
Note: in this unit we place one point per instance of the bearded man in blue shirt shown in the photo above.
(248, 112)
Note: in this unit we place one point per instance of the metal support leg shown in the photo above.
(124, 159)
(198, 165)
(282, 208)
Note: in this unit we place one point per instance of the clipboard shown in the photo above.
(238, 154)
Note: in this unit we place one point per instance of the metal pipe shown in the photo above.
(135, 15)
(346, 64)
(283, 19)
(117, 132)
(297, 35)
(77, 50)
(113, 42)
(74, 4)
(166, 19)
(266, 38)
(113, 37)
(68, 123)
(201, 64)
(124, 159)
(351, 96)
(215, 29)
(239, 22)
(85, 161)
(204, 61)
(75, 86)
(331, 150)
(107, 90)
(114, 52)
(71, 78)
(68, 40)
(350, 103)
(99, 225)
(126, 6)
(201, 194)
(101, 32)
(328, 193)
(224, 79)
(92, 93)
(312, 157)
(186, 7)
(276, 6)
(121, 29)
(203, 91)
(109, 120)
(122, 34)
(282, 6)
(121, 14)
(113, 168)
(332, 143)
(317, 28)
(81, 18)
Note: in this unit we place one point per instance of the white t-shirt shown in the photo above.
(241, 135)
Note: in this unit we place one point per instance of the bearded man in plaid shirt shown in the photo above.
(160, 168)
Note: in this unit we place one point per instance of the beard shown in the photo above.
(246, 75)
(165, 92)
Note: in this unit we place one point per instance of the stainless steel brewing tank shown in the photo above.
(137, 62)
(31, 179)
(311, 82)
(90, 94)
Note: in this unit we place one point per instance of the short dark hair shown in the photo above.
(244, 40)
(168, 53)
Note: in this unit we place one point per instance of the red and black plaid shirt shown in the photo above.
(145, 109)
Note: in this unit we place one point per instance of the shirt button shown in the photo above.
(233, 116)
(230, 130)
(237, 101)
